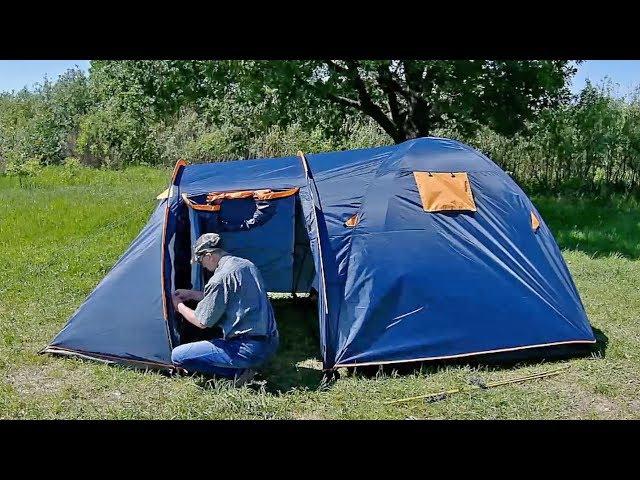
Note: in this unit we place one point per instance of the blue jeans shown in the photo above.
(224, 358)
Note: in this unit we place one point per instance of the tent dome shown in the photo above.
(423, 250)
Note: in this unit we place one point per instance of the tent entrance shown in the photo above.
(266, 227)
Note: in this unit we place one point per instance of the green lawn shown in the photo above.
(61, 234)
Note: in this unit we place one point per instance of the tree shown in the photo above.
(410, 98)
(406, 98)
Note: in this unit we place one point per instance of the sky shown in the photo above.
(624, 73)
(16, 74)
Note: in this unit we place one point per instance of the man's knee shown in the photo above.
(179, 354)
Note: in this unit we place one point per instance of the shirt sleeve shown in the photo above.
(213, 305)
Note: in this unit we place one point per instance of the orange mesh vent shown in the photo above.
(445, 191)
(535, 223)
(352, 221)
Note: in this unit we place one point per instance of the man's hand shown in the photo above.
(186, 295)
(182, 293)
(176, 299)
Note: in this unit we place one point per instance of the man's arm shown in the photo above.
(210, 309)
(189, 315)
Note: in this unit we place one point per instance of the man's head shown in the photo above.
(207, 251)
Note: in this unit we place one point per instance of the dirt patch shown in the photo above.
(586, 404)
(634, 405)
(308, 416)
(39, 380)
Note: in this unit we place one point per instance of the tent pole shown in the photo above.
(315, 220)
(446, 393)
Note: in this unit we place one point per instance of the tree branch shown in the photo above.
(336, 67)
(386, 84)
(413, 77)
(369, 107)
(345, 101)
(365, 103)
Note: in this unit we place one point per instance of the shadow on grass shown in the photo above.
(299, 342)
(493, 362)
(597, 227)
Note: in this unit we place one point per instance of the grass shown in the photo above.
(60, 236)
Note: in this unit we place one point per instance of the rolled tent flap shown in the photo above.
(122, 318)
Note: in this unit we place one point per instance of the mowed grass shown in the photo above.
(62, 234)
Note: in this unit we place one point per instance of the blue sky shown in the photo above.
(625, 73)
(15, 74)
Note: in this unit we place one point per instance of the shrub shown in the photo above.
(41, 124)
(363, 134)
(281, 142)
(114, 139)
(25, 171)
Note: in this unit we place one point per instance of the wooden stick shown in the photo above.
(446, 393)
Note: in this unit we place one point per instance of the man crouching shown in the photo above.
(235, 299)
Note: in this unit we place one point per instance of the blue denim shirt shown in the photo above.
(236, 300)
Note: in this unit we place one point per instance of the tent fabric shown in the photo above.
(122, 317)
(395, 283)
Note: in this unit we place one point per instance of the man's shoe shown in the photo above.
(245, 377)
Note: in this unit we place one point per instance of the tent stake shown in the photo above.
(446, 393)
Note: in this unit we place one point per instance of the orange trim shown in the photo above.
(352, 221)
(197, 206)
(443, 357)
(445, 191)
(176, 169)
(264, 194)
(269, 195)
(101, 357)
(216, 196)
(535, 223)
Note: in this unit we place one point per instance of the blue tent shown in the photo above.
(418, 251)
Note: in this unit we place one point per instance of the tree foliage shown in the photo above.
(409, 98)
(406, 98)
(154, 112)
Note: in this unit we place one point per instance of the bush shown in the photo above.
(282, 142)
(114, 139)
(42, 124)
(193, 138)
(364, 134)
(592, 145)
(25, 171)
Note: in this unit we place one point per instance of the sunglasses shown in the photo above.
(197, 258)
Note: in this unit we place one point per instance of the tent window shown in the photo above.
(445, 191)
(535, 223)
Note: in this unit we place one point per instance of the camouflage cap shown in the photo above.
(207, 243)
